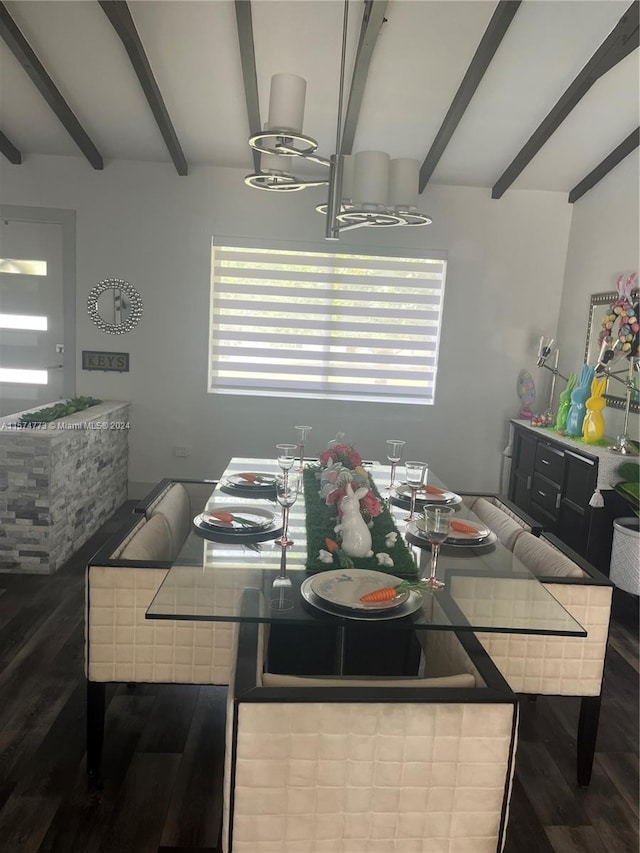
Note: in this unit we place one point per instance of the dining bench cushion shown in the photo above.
(151, 542)
(543, 560)
(506, 528)
(175, 507)
(270, 679)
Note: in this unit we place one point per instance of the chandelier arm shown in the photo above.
(332, 230)
(293, 152)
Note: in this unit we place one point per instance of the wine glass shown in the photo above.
(395, 448)
(286, 493)
(286, 456)
(304, 434)
(436, 530)
(416, 478)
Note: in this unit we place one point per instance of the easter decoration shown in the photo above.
(620, 336)
(593, 424)
(579, 396)
(620, 324)
(526, 393)
(564, 404)
(348, 523)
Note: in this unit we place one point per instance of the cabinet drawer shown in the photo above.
(550, 462)
(545, 493)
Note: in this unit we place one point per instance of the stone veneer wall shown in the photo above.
(59, 484)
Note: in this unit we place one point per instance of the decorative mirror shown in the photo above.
(114, 306)
(597, 309)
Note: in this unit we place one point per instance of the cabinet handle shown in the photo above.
(541, 493)
(558, 499)
(529, 483)
(546, 462)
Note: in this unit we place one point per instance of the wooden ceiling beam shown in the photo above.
(372, 20)
(117, 11)
(22, 50)
(9, 150)
(493, 35)
(621, 41)
(244, 22)
(603, 168)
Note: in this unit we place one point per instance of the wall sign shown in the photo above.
(114, 361)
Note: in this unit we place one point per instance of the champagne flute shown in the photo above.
(395, 448)
(287, 494)
(416, 478)
(436, 530)
(286, 457)
(304, 434)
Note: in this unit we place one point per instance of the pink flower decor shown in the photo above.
(370, 505)
(343, 453)
(340, 464)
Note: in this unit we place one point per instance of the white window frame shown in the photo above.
(245, 360)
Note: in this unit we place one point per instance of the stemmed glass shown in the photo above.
(394, 455)
(286, 457)
(416, 478)
(436, 530)
(286, 493)
(304, 434)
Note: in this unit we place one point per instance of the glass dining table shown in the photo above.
(486, 587)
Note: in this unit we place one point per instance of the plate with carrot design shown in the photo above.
(251, 480)
(347, 587)
(236, 518)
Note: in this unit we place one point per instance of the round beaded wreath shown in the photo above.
(621, 320)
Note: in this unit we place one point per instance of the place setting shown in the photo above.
(250, 484)
(439, 525)
(362, 594)
(237, 523)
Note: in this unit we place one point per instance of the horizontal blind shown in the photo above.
(325, 324)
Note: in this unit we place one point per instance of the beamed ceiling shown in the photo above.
(529, 95)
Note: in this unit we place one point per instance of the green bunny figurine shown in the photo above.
(565, 403)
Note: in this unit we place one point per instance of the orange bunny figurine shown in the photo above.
(593, 426)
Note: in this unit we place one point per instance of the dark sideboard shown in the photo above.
(553, 480)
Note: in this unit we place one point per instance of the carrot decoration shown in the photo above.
(461, 527)
(386, 594)
(224, 517)
(433, 490)
(332, 546)
(228, 518)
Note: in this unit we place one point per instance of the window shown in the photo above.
(334, 325)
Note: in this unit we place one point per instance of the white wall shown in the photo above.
(143, 223)
(604, 241)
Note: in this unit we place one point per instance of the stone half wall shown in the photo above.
(59, 484)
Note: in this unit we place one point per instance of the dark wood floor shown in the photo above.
(163, 746)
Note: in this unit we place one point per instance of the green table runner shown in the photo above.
(321, 520)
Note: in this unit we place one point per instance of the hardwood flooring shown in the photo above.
(163, 751)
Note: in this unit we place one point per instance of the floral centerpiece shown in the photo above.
(342, 464)
(345, 482)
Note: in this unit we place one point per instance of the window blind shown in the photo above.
(325, 324)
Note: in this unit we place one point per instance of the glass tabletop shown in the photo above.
(487, 588)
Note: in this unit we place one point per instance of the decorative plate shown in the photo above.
(422, 497)
(236, 518)
(251, 480)
(416, 530)
(344, 587)
(413, 603)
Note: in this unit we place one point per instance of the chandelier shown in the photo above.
(365, 189)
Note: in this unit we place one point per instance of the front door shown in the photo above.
(31, 315)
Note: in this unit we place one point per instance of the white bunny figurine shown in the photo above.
(356, 536)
